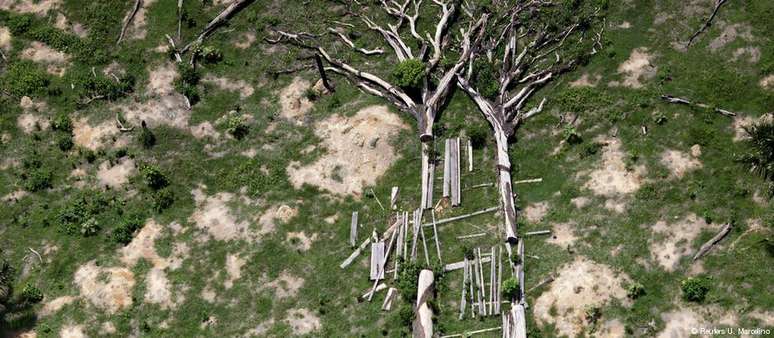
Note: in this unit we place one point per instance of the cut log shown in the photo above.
(218, 21)
(323, 75)
(498, 301)
(353, 229)
(179, 18)
(548, 280)
(394, 198)
(354, 254)
(707, 23)
(377, 259)
(714, 240)
(458, 174)
(427, 177)
(531, 180)
(376, 197)
(424, 244)
(414, 235)
(372, 290)
(423, 323)
(680, 100)
(387, 304)
(517, 327)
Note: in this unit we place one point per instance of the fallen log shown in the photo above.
(714, 240)
(548, 280)
(218, 21)
(470, 333)
(128, 20)
(423, 323)
(707, 23)
(680, 100)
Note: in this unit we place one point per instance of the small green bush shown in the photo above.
(478, 134)
(163, 199)
(31, 294)
(62, 122)
(147, 138)
(38, 179)
(571, 135)
(25, 78)
(409, 73)
(236, 126)
(124, 233)
(65, 142)
(635, 290)
(511, 289)
(210, 54)
(695, 289)
(408, 279)
(406, 315)
(153, 177)
(759, 157)
(90, 227)
(19, 24)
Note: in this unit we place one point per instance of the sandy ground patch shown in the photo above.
(39, 8)
(14, 196)
(64, 24)
(72, 331)
(358, 152)
(243, 88)
(107, 328)
(612, 329)
(729, 34)
(245, 40)
(292, 101)
(767, 82)
(748, 54)
(55, 305)
(536, 211)
(93, 136)
(29, 123)
(678, 322)
(55, 61)
(586, 80)
(563, 234)
(261, 329)
(579, 285)
(234, 265)
(5, 38)
(676, 241)
(286, 285)
(300, 241)
(107, 288)
(679, 163)
(612, 179)
(117, 175)
(638, 67)
(282, 212)
(138, 28)
(580, 202)
(625, 25)
(302, 321)
(765, 317)
(216, 217)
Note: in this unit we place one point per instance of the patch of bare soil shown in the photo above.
(107, 328)
(580, 202)
(675, 239)
(5, 38)
(358, 152)
(138, 28)
(679, 163)
(245, 40)
(261, 329)
(300, 241)
(29, 123)
(625, 25)
(55, 61)
(536, 211)
(679, 322)
(215, 215)
(729, 34)
(765, 317)
(39, 8)
(612, 329)
(72, 331)
(586, 80)
(767, 82)
(612, 179)
(64, 24)
(93, 137)
(107, 288)
(749, 54)
(286, 285)
(14, 196)
(580, 284)
(563, 234)
(638, 67)
(268, 219)
(234, 265)
(302, 321)
(55, 305)
(117, 175)
(243, 88)
(293, 102)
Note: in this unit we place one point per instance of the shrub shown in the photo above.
(124, 233)
(571, 135)
(90, 227)
(147, 138)
(592, 313)
(759, 158)
(486, 80)
(478, 134)
(406, 315)
(65, 142)
(635, 290)
(409, 73)
(153, 177)
(407, 282)
(62, 122)
(236, 126)
(211, 54)
(24, 78)
(511, 289)
(19, 24)
(188, 74)
(163, 199)
(31, 294)
(695, 289)
(38, 179)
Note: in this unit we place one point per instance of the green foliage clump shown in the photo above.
(163, 199)
(478, 134)
(236, 125)
(759, 158)
(80, 209)
(408, 280)
(124, 233)
(147, 138)
(406, 315)
(695, 289)
(31, 294)
(90, 227)
(486, 80)
(409, 73)
(37, 179)
(186, 84)
(24, 78)
(6, 286)
(209, 54)
(583, 99)
(19, 24)
(62, 122)
(153, 177)
(571, 135)
(65, 142)
(88, 86)
(511, 289)
(635, 290)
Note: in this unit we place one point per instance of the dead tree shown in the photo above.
(527, 47)
(401, 35)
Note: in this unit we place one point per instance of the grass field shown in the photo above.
(231, 218)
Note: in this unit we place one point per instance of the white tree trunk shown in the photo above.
(423, 323)
(427, 175)
(504, 182)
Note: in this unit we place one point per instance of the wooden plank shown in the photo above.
(464, 288)
(471, 333)
(471, 288)
(371, 291)
(458, 171)
(354, 254)
(470, 156)
(455, 171)
(492, 284)
(460, 217)
(353, 230)
(437, 240)
(519, 321)
(424, 244)
(540, 232)
(478, 284)
(377, 257)
(460, 265)
(482, 289)
(472, 235)
(414, 236)
(499, 280)
(388, 300)
(446, 168)
(394, 198)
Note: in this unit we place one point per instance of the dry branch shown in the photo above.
(128, 21)
(706, 247)
(218, 21)
(707, 23)
(680, 100)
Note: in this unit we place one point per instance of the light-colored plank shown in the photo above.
(446, 168)
(377, 257)
(353, 230)
(394, 198)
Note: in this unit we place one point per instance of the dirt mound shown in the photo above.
(612, 329)
(117, 175)
(563, 234)
(286, 285)
(55, 305)
(243, 88)
(107, 288)
(64, 24)
(234, 266)
(358, 152)
(586, 80)
(637, 67)
(215, 215)
(679, 163)
(536, 211)
(55, 61)
(92, 137)
(245, 40)
(29, 122)
(580, 202)
(293, 102)
(680, 322)
(302, 321)
(580, 284)
(613, 179)
(729, 34)
(676, 239)
(282, 212)
(72, 331)
(39, 8)
(5, 38)
(300, 241)
(767, 82)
